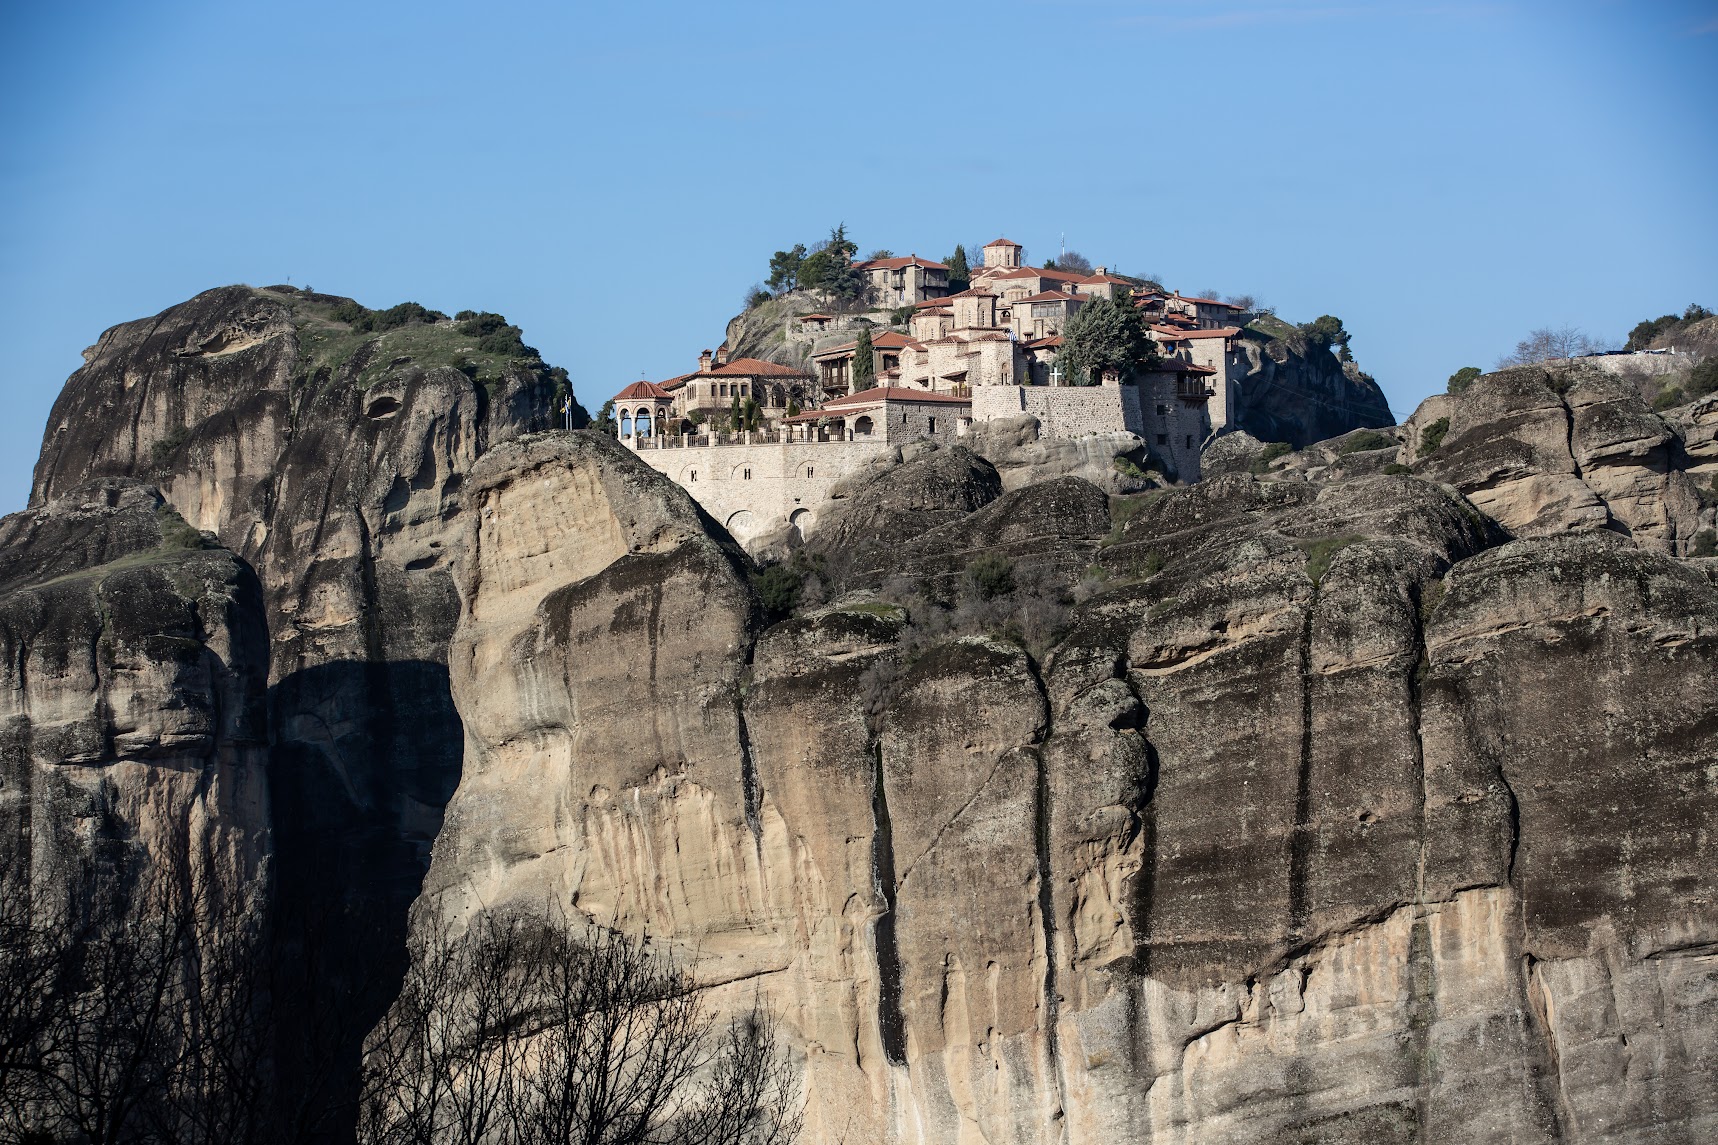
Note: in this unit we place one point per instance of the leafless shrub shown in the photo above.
(518, 1030)
(1547, 344)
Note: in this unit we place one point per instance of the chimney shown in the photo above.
(1102, 270)
(704, 362)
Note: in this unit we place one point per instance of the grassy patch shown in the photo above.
(1396, 469)
(1261, 464)
(1126, 467)
(1320, 552)
(176, 532)
(1364, 441)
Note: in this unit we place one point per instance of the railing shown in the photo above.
(781, 435)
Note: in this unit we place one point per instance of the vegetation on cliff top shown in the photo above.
(362, 345)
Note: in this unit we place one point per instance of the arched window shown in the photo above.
(625, 424)
(641, 423)
(862, 427)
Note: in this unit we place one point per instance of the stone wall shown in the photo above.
(757, 489)
(1064, 411)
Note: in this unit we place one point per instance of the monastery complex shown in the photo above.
(981, 354)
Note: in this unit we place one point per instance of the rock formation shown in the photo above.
(1360, 794)
(133, 663)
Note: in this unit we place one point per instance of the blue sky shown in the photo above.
(1443, 177)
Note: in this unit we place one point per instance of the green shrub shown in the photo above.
(1463, 378)
(1704, 379)
(176, 532)
(901, 315)
(168, 445)
(1321, 552)
(1396, 469)
(1126, 467)
(1667, 398)
(1705, 544)
(778, 587)
(1262, 463)
(1433, 436)
(1364, 441)
(991, 576)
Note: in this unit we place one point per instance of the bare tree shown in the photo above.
(1548, 344)
(517, 1030)
(1073, 262)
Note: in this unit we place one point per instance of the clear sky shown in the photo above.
(1442, 176)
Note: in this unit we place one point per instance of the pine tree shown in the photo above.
(864, 368)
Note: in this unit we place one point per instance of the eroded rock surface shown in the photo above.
(1296, 834)
(1546, 450)
(133, 662)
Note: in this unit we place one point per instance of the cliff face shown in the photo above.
(1326, 804)
(330, 458)
(1302, 394)
(133, 662)
(1333, 818)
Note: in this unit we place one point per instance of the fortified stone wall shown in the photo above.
(1064, 411)
(756, 489)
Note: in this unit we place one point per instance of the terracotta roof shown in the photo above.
(1050, 296)
(1100, 279)
(974, 292)
(865, 399)
(1209, 302)
(1176, 366)
(1182, 335)
(939, 311)
(809, 317)
(756, 366)
(643, 391)
(898, 263)
(1000, 242)
(675, 383)
(1045, 343)
(887, 340)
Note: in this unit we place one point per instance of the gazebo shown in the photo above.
(641, 408)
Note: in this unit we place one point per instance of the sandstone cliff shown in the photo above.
(1330, 817)
(1365, 798)
(133, 662)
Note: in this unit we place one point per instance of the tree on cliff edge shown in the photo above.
(959, 273)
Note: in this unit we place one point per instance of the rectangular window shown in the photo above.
(809, 472)
(1189, 441)
(748, 475)
(1162, 411)
(1163, 439)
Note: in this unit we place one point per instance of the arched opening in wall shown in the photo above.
(801, 520)
(641, 423)
(862, 427)
(626, 425)
(740, 524)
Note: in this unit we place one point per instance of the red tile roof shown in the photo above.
(974, 292)
(808, 318)
(1100, 279)
(898, 263)
(1050, 296)
(1182, 335)
(643, 391)
(758, 367)
(877, 395)
(675, 383)
(1049, 343)
(887, 340)
(1001, 242)
(1209, 302)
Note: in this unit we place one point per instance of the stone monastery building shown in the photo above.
(980, 354)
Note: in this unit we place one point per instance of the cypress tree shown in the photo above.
(864, 370)
(959, 273)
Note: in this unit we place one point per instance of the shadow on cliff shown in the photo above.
(364, 757)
